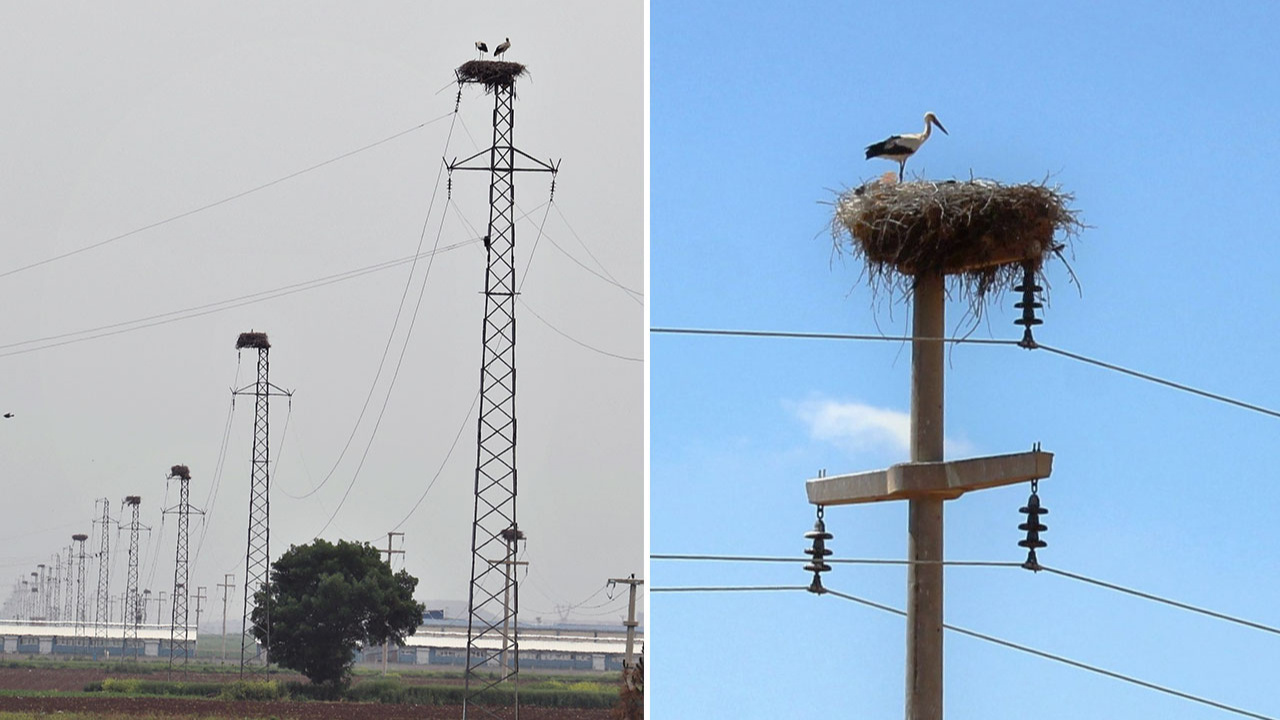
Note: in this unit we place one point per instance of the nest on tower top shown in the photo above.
(180, 471)
(252, 340)
(490, 73)
(982, 232)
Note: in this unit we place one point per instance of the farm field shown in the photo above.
(36, 690)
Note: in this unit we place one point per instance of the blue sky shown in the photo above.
(1160, 119)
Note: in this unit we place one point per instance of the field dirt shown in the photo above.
(74, 679)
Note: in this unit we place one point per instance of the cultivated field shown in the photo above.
(38, 689)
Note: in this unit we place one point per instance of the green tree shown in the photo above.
(325, 600)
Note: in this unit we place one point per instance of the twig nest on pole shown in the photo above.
(982, 231)
(252, 340)
(180, 471)
(490, 73)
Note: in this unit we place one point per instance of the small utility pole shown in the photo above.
(511, 535)
(199, 597)
(228, 583)
(386, 644)
(631, 616)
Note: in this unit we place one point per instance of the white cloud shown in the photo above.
(862, 428)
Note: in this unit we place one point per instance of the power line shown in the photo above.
(1166, 601)
(728, 588)
(981, 636)
(977, 563)
(215, 307)
(522, 301)
(636, 293)
(822, 336)
(1160, 381)
(443, 462)
(574, 340)
(223, 201)
(1061, 659)
(974, 341)
(850, 561)
(413, 319)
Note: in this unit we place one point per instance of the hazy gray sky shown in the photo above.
(122, 115)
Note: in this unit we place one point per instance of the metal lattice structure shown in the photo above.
(79, 618)
(104, 576)
(180, 645)
(69, 595)
(493, 602)
(257, 565)
(55, 602)
(133, 610)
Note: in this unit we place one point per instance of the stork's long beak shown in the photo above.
(944, 130)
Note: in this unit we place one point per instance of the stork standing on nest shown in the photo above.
(482, 47)
(901, 147)
(502, 47)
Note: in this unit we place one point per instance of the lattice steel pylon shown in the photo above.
(79, 539)
(132, 613)
(103, 605)
(68, 587)
(179, 634)
(493, 604)
(55, 602)
(257, 564)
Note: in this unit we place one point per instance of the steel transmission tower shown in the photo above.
(55, 602)
(132, 613)
(79, 539)
(493, 603)
(179, 638)
(257, 563)
(69, 596)
(104, 576)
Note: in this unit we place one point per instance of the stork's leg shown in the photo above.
(902, 167)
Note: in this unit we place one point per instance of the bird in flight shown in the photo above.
(900, 147)
(502, 48)
(8, 415)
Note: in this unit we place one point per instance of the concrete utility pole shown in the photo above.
(226, 584)
(386, 644)
(631, 616)
(926, 482)
(199, 597)
(511, 535)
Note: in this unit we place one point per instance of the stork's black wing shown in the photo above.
(888, 146)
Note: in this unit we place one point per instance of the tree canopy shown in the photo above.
(326, 599)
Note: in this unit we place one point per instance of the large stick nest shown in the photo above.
(981, 231)
(252, 340)
(180, 471)
(490, 73)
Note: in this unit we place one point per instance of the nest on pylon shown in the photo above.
(981, 232)
(252, 340)
(492, 74)
(180, 471)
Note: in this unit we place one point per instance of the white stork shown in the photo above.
(502, 47)
(482, 47)
(901, 147)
